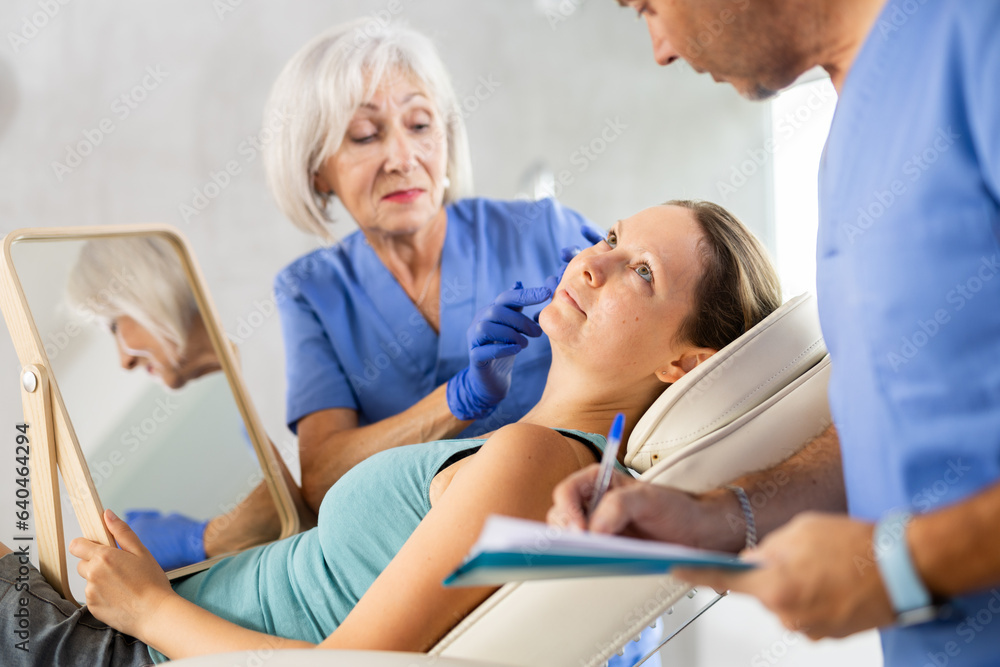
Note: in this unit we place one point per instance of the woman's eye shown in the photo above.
(420, 127)
(645, 272)
(363, 140)
(611, 239)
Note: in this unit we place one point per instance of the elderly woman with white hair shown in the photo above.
(157, 326)
(380, 351)
(379, 348)
(153, 314)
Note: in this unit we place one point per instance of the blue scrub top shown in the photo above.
(908, 274)
(354, 339)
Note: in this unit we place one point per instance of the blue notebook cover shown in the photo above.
(518, 550)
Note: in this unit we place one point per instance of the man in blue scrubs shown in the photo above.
(908, 272)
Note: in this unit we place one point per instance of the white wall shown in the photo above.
(560, 82)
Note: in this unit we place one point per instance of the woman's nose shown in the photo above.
(594, 271)
(127, 360)
(402, 153)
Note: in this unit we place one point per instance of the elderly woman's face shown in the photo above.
(138, 347)
(389, 171)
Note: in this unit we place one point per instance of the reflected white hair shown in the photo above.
(136, 276)
(319, 90)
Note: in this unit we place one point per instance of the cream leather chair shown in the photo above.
(752, 405)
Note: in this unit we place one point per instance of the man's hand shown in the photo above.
(817, 574)
(125, 586)
(640, 509)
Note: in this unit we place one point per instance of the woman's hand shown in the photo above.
(125, 586)
(497, 334)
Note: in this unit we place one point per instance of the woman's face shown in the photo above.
(389, 171)
(621, 302)
(138, 347)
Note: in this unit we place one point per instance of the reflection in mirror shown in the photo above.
(141, 381)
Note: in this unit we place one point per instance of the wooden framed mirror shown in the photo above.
(131, 388)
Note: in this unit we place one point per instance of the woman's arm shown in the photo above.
(127, 590)
(407, 608)
(331, 442)
(514, 474)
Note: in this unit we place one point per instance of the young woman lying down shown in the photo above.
(664, 291)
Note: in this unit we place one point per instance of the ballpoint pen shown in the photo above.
(607, 462)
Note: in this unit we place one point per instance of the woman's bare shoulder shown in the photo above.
(532, 442)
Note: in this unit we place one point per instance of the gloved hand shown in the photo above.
(174, 541)
(568, 253)
(497, 334)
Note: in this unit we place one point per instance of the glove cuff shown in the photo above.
(194, 542)
(462, 400)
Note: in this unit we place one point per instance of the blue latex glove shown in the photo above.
(174, 540)
(497, 334)
(568, 253)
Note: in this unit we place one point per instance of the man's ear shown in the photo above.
(684, 364)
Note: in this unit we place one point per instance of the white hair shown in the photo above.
(318, 92)
(139, 277)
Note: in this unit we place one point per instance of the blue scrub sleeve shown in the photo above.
(316, 378)
(981, 51)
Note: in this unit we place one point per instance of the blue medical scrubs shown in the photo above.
(354, 339)
(909, 284)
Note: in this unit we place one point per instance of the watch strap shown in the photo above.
(910, 599)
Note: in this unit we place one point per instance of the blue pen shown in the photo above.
(608, 462)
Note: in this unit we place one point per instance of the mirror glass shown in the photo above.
(141, 381)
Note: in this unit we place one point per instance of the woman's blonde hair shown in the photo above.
(739, 285)
(136, 276)
(319, 90)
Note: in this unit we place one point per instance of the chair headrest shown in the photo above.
(735, 380)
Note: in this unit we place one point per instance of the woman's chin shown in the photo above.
(553, 322)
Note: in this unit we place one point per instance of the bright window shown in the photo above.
(800, 123)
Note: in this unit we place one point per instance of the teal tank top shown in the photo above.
(304, 586)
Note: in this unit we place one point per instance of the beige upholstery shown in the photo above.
(750, 406)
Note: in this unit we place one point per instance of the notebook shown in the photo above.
(511, 549)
